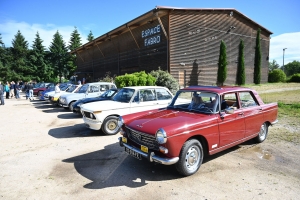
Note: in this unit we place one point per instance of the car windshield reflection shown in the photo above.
(124, 95)
(196, 101)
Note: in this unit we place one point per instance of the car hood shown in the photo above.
(89, 100)
(71, 95)
(172, 121)
(104, 105)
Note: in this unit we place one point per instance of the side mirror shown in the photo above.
(229, 110)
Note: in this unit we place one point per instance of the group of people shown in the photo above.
(12, 90)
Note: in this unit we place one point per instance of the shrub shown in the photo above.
(277, 75)
(135, 79)
(163, 78)
(295, 78)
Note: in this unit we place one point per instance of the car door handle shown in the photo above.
(241, 114)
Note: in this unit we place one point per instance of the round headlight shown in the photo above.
(161, 136)
(120, 121)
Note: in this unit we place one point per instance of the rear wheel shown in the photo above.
(110, 125)
(262, 135)
(39, 94)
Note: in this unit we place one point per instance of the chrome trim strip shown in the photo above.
(153, 157)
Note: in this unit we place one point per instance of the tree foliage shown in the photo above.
(222, 65)
(135, 79)
(257, 60)
(75, 42)
(240, 75)
(273, 65)
(292, 68)
(42, 70)
(294, 78)
(90, 36)
(276, 75)
(165, 79)
(59, 56)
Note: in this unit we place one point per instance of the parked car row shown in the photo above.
(173, 130)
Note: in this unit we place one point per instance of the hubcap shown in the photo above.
(192, 158)
(111, 125)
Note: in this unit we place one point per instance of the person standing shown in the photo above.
(30, 88)
(12, 89)
(57, 89)
(7, 89)
(1, 93)
(17, 89)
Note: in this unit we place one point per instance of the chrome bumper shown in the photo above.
(276, 121)
(151, 156)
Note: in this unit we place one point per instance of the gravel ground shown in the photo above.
(48, 153)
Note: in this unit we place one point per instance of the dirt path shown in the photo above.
(47, 153)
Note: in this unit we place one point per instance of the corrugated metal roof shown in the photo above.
(142, 19)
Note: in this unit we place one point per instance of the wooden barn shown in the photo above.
(183, 41)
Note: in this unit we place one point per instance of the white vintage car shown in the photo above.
(104, 114)
(87, 90)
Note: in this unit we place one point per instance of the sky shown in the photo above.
(48, 16)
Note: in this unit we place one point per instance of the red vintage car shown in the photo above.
(201, 120)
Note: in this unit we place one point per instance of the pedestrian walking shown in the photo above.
(1, 93)
(30, 89)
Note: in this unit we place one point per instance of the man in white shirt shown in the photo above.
(57, 89)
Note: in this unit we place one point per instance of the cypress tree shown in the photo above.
(222, 65)
(257, 60)
(240, 75)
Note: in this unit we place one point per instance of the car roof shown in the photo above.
(144, 87)
(218, 89)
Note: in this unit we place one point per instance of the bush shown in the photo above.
(295, 78)
(163, 78)
(277, 75)
(135, 79)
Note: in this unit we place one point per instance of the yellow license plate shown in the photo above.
(124, 139)
(144, 148)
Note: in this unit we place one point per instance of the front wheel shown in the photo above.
(262, 135)
(190, 158)
(110, 125)
(71, 106)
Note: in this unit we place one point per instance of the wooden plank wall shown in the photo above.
(195, 38)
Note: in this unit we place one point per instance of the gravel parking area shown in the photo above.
(48, 153)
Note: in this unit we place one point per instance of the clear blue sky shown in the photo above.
(47, 16)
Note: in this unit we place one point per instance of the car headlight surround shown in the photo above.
(79, 104)
(120, 121)
(161, 136)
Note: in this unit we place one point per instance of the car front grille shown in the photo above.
(142, 138)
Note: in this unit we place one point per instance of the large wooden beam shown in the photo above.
(133, 36)
(100, 50)
(161, 24)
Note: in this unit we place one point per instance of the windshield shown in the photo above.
(108, 93)
(83, 89)
(199, 101)
(124, 95)
(71, 88)
(63, 87)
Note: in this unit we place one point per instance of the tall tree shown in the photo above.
(222, 65)
(75, 42)
(20, 68)
(4, 61)
(292, 68)
(59, 56)
(240, 75)
(39, 62)
(90, 36)
(257, 60)
(273, 65)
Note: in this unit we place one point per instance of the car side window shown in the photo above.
(247, 100)
(162, 94)
(229, 101)
(147, 95)
(94, 88)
